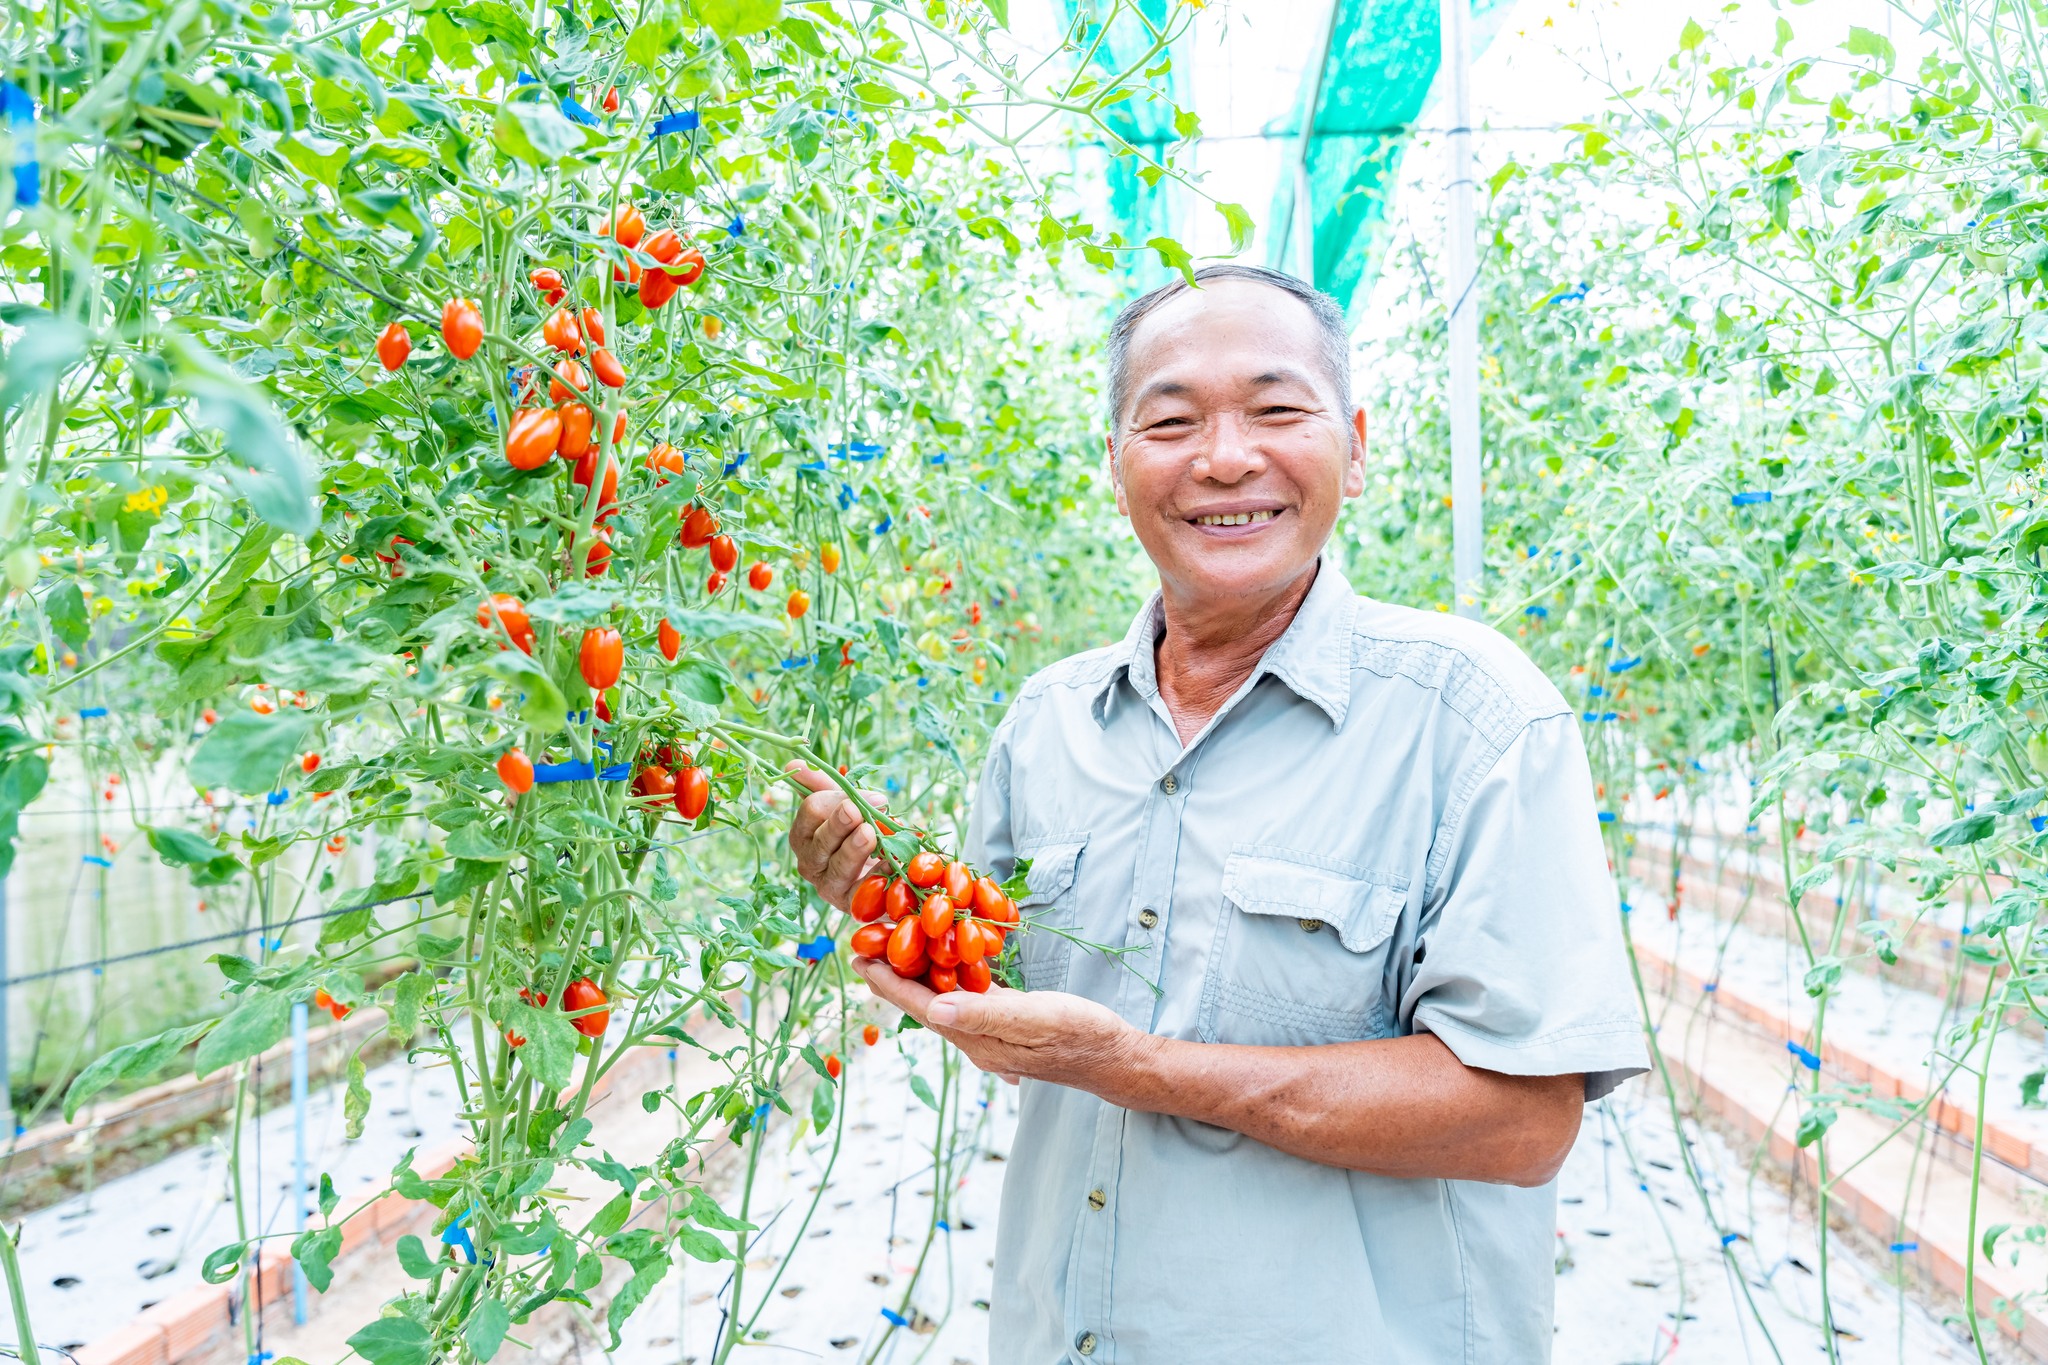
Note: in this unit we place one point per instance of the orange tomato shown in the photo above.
(628, 226)
(462, 327)
(515, 770)
(799, 603)
(926, 868)
(534, 435)
(669, 639)
(725, 556)
(577, 421)
(394, 344)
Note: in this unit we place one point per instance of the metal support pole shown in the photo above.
(1304, 217)
(1467, 526)
(1304, 227)
(298, 1153)
(6, 1072)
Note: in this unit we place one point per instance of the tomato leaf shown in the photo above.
(699, 681)
(394, 1341)
(273, 477)
(550, 1048)
(409, 995)
(210, 864)
(355, 1100)
(247, 753)
(47, 347)
(258, 1022)
(1241, 226)
(486, 1328)
(133, 1062)
(64, 609)
(223, 1263)
(543, 707)
(315, 1251)
(731, 19)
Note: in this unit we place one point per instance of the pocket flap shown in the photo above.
(1052, 869)
(1362, 907)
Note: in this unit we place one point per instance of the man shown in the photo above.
(1370, 965)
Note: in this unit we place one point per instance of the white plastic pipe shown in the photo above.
(1467, 524)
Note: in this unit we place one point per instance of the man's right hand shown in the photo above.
(834, 848)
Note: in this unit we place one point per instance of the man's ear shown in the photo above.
(1354, 465)
(1116, 475)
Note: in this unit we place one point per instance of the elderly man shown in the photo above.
(1369, 965)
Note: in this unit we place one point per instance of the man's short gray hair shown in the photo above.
(1331, 328)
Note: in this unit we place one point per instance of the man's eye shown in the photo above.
(1280, 412)
(1168, 422)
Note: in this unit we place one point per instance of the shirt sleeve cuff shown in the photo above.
(1606, 1053)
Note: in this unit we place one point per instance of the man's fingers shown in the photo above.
(966, 1012)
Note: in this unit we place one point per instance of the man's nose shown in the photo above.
(1232, 452)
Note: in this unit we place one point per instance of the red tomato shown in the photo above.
(309, 763)
(759, 576)
(611, 100)
(577, 421)
(657, 287)
(592, 324)
(693, 792)
(975, 977)
(941, 979)
(925, 869)
(663, 246)
(699, 526)
(832, 1066)
(943, 947)
(968, 938)
(462, 327)
(828, 557)
(627, 274)
(607, 368)
(628, 226)
(906, 944)
(669, 639)
(515, 770)
(799, 603)
(619, 428)
(866, 905)
(987, 896)
(974, 614)
(665, 458)
(546, 280)
(561, 333)
(534, 435)
(937, 913)
(917, 968)
(569, 381)
(598, 557)
(871, 940)
(582, 994)
(899, 901)
(715, 584)
(725, 556)
(321, 999)
(871, 1035)
(960, 883)
(601, 658)
(504, 610)
(656, 781)
(1006, 912)
(586, 470)
(604, 709)
(394, 344)
(691, 266)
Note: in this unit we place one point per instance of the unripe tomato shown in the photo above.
(607, 368)
(693, 791)
(906, 944)
(870, 940)
(960, 883)
(462, 327)
(592, 323)
(628, 226)
(546, 279)
(942, 979)
(664, 246)
(601, 657)
(759, 576)
(655, 781)
(975, 976)
(611, 100)
(598, 558)
(725, 556)
(899, 900)
(828, 557)
(569, 381)
(669, 639)
(925, 869)
(871, 1035)
(832, 1066)
(937, 913)
(712, 326)
(533, 436)
(866, 905)
(657, 287)
(515, 770)
(394, 344)
(987, 896)
(799, 603)
(582, 994)
(577, 421)
(561, 333)
(699, 526)
(715, 584)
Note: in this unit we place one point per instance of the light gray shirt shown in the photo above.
(1389, 828)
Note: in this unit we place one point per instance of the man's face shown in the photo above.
(1232, 456)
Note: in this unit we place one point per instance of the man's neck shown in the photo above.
(1209, 650)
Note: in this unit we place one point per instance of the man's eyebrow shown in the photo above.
(1160, 387)
(1271, 377)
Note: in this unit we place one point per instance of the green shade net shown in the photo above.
(1138, 210)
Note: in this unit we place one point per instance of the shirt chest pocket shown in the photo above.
(1300, 954)
(1049, 904)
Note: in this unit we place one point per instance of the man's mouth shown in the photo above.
(1236, 518)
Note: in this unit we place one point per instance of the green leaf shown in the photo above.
(409, 995)
(543, 708)
(1691, 36)
(394, 1341)
(1174, 256)
(486, 1328)
(324, 666)
(731, 19)
(315, 1252)
(550, 1048)
(923, 1090)
(47, 347)
(611, 1217)
(536, 132)
(355, 1100)
(413, 1258)
(274, 478)
(64, 608)
(1813, 1125)
(246, 752)
(329, 1198)
(132, 1063)
(467, 874)
(822, 1104)
(1967, 830)
(223, 1263)
(632, 1294)
(701, 1245)
(211, 864)
(804, 34)
(259, 1022)
(1241, 226)
(1865, 42)
(1000, 9)
(648, 42)
(699, 681)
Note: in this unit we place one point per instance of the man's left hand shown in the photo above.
(1042, 1035)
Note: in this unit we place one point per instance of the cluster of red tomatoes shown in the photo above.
(938, 922)
(323, 1001)
(668, 775)
(579, 995)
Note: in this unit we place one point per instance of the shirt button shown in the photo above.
(1169, 785)
(1148, 918)
(1085, 1343)
(1096, 1199)
(1309, 926)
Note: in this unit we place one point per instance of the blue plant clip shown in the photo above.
(895, 1317)
(576, 113)
(278, 797)
(1901, 1248)
(818, 949)
(1624, 665)
(97, 861)
(682, 121)
(1750, 498)
(1806, 1059)
(882, 526)
(92, 712)
(795, 661)
(737, 227)
(1536, 611)
(20, 111)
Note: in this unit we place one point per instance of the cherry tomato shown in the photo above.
(569, 381)
(582, 994)
(987, 896)
(906, 944)
(611, 100)
(534, 435)
(619, 428)
(942, 979)
(601, 658)
(960, 883)
(322, 1000)
(546, 280)
(657, 287)
(715, 584)
(925, 869)
(699, 526)
(828, 557)
(1006, 912)
(969, 940)
(656, 781)
(628, 226)
(870, 940)
(598, 557)
(832, 1066)
(586, 471)
(394, 344)
(871, 1035)
(899, 901)
(799, 603)
(669, 639)
(561, 333)
(577, 422)
(515, 770)
(693, 792)
(866, 905)
(663, 246)
(462, 327)
(712, 326)
(607, 368)
(943, 947)
(309, 763)
(725, 556)
(691, 264)
(937, 913)
(502, 609)
(665, 458)
(759, 576)
(604, 709)
(975, 977)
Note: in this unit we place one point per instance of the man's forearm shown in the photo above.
(1404, 1107)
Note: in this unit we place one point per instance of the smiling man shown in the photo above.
(1368, 963)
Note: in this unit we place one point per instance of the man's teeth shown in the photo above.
(1236, 518)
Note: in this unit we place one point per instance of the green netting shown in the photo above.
(1140, 211)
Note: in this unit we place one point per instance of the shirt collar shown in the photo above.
(1312, 657)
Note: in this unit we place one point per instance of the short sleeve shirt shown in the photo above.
(1389, 828)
